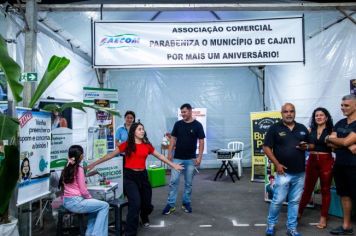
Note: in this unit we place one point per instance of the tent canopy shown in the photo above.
(229, 94)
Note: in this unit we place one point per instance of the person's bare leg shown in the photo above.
(322, 222)
(347, 207)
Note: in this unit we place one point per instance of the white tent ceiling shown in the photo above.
(321, 25)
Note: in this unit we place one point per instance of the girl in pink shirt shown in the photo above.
(77, 199)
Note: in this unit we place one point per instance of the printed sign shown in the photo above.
(182, 44)
(260, 123)
(90, 94)
(29, 77)
(35, 151)
(62, 134)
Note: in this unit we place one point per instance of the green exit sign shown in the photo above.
(29, 77)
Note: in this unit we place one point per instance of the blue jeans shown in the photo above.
(97, 213)
(188, 179)
(290, 185)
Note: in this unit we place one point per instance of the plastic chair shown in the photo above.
(237, 158)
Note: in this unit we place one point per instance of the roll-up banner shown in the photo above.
(260, 123)
(62, 133)
(189, 44)
(35, 153)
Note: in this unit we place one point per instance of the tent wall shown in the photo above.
(229, 94)
(69, 84)
(323, 80)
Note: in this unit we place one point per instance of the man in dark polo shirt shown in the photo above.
(285, 144)
(345, 163)
(184, 137)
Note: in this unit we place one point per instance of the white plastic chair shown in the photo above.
(237, 158)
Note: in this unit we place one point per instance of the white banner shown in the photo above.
(199, 114)
(35, 152)
(177, 44)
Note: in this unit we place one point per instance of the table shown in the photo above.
(226, 156)
(101, 191)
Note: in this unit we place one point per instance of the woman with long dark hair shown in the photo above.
(136, 186)
(76, 197)
(320, 163)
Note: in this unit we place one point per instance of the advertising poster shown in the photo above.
(105, 98)
(260, 123)
(112, 170)
(35, 151)
(100, 148)
(105, 122)
(62, 134)
(200, 115)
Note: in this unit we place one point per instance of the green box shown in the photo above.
(157, 176)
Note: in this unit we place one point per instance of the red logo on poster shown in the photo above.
(25, 118)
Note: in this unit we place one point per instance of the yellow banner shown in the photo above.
(260, 123)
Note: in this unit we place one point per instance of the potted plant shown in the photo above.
(9, 126)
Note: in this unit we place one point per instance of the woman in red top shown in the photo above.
(136, 186)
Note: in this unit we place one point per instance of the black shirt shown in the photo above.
(187, 135)
(283, 142)
(343, 155)
(320, 145)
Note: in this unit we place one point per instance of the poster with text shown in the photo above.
(112, 170)
(200, 115)
(62, 134)
(35, 151)
(197, 44)
(260, 123)
(105, 98)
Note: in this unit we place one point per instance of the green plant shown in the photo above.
(9, 167)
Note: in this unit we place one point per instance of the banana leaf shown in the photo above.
(11, 70)
(8, 127)
(55, 66)
(80, 106)
(9, 174)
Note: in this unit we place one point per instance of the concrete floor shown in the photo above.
(219, 208)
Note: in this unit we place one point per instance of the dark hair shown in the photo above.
(130, 113)
(186, 105)
(329, 122)
(69, 172)
(23, 175)
(131, 145)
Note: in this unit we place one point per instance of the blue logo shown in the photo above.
(120, 41)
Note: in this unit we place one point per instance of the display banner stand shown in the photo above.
(260, 123)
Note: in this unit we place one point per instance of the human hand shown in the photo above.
(178, 167)
(280, 169)
(197, 161)
(352, 148)
(303, 146)
(90, 167)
